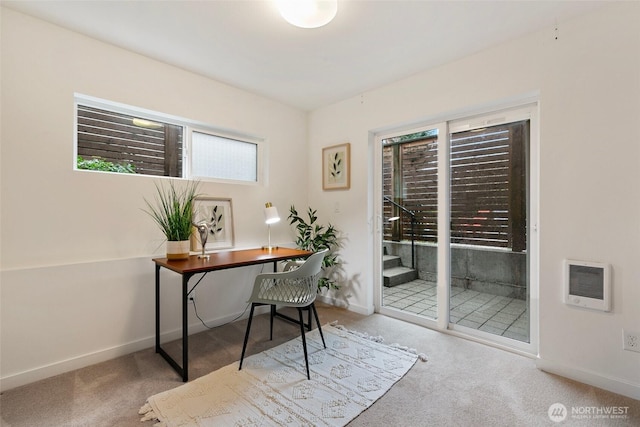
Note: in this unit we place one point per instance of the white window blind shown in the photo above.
(217, 157)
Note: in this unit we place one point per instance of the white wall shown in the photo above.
(588, 82)
(77, 280)
(77, 276)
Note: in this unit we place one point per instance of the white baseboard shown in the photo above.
(615, 385)
(341, 303)
(27, 377)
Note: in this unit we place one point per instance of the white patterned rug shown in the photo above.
(272, 388)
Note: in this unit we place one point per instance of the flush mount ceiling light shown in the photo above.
(308, 13)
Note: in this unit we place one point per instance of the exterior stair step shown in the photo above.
(390, 261)
(395, 276)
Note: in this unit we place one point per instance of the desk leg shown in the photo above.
(181, 370)
(157, 308)
(185, 332)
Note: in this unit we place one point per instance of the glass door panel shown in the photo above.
(409, 222)
(489, 277)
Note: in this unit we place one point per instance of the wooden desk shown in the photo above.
(217, 261)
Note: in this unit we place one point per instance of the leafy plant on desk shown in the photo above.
(173, 210)
(315, 237)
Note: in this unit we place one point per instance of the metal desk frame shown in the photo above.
(217, 261)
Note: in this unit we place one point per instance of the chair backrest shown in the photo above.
(312, 265)
(294, 287)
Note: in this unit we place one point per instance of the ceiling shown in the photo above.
(248, 45)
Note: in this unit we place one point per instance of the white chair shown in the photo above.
(294, 288)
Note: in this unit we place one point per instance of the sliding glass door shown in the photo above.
(455, 226)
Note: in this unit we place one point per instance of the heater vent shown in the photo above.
(587, 284)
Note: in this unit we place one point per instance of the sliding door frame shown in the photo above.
(442, 323)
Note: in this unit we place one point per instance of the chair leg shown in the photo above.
(273, 314)
(246, 336)
(315, 314)
(304, 342)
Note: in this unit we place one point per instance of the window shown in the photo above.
(112, 137)
(223, 158)
(124, 142)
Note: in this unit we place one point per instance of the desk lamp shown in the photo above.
(270, 217)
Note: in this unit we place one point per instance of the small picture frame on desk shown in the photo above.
(336, 167)
(218, 214)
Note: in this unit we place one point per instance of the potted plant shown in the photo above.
(315, 237)
(173, 212)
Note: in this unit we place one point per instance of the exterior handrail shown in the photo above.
(413, 224)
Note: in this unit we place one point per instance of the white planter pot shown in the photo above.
(178, 249)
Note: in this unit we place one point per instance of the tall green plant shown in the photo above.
(315, 237)
(173, 210)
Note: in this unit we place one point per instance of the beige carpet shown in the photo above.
(272, 388)
(463, 383)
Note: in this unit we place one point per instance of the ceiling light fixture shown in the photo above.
(308, 13)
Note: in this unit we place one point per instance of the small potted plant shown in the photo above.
(315, 237)
(173, 212)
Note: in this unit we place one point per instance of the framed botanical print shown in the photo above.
(336, 167)
(217, 215)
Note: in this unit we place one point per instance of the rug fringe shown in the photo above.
(379, 339)
(148, 413)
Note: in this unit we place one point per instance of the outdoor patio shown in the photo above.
(495, 314)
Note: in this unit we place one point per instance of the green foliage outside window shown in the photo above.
(98, 164)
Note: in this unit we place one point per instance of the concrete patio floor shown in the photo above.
(495, 314)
